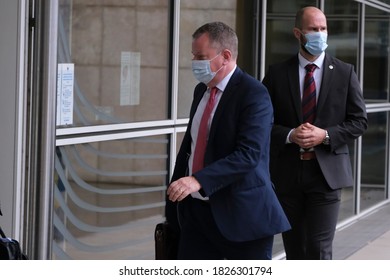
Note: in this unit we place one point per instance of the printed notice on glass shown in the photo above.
(65, 86)
(130, 78)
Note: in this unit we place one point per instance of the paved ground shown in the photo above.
(366, 239)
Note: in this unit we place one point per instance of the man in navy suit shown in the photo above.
(227, 209)
(310, 161)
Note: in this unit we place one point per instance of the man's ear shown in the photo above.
(297, 33)
(227, 54)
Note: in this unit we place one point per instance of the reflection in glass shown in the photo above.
(282, 6)
(193, 14)
(121, 66)
(108, 198)
(180, 137)
(278, 247)
(376, 56)
(281, 43)
(348, 193)
(374, 160)
(343, 38)
(344, 8)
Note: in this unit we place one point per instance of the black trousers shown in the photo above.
(200, 238)
(312, 208)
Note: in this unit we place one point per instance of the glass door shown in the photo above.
(113, 139)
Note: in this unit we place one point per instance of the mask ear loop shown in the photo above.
(215, 73)
(301, 38)
(303, 44)
(215, 56)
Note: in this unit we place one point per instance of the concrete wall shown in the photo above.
(8, 115)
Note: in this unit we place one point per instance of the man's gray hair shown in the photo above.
(221, 36)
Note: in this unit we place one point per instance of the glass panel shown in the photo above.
(343, 44)
(179, 137)
(376, 56)
(108, 198)
(282, 6)
(278, 247)
(343, 34)
(346, 8)
(193, 14)
(374, 163)
(347, 194)
(120, 65)
(281, 43)
(347, 204)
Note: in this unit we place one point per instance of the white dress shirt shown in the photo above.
(319, 62)
(198, 116)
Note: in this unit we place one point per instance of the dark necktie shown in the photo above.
(309, 95)
(201, 141)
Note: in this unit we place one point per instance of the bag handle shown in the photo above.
(2, 233)
(1, 230)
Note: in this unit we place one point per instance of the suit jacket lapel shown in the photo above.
(227, 94)
(327, 76)
(293, 81)
(198, 95)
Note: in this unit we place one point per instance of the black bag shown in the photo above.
(10, 248)
(166, 242)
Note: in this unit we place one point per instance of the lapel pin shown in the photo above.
(330, 67)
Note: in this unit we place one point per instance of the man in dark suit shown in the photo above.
(227, 207)
(310, 160)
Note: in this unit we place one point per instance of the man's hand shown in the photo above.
(179, 189)
(307, 135)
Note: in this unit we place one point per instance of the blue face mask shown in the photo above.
(202, 70)
(316, 42)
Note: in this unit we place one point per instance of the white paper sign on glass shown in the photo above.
(130, 78)
(65, 93)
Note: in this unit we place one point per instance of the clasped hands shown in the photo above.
(181, 188)
(307, 136)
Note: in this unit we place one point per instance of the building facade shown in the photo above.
(95, 99)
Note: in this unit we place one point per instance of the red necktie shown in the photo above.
(309, 95)
(201, 141)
